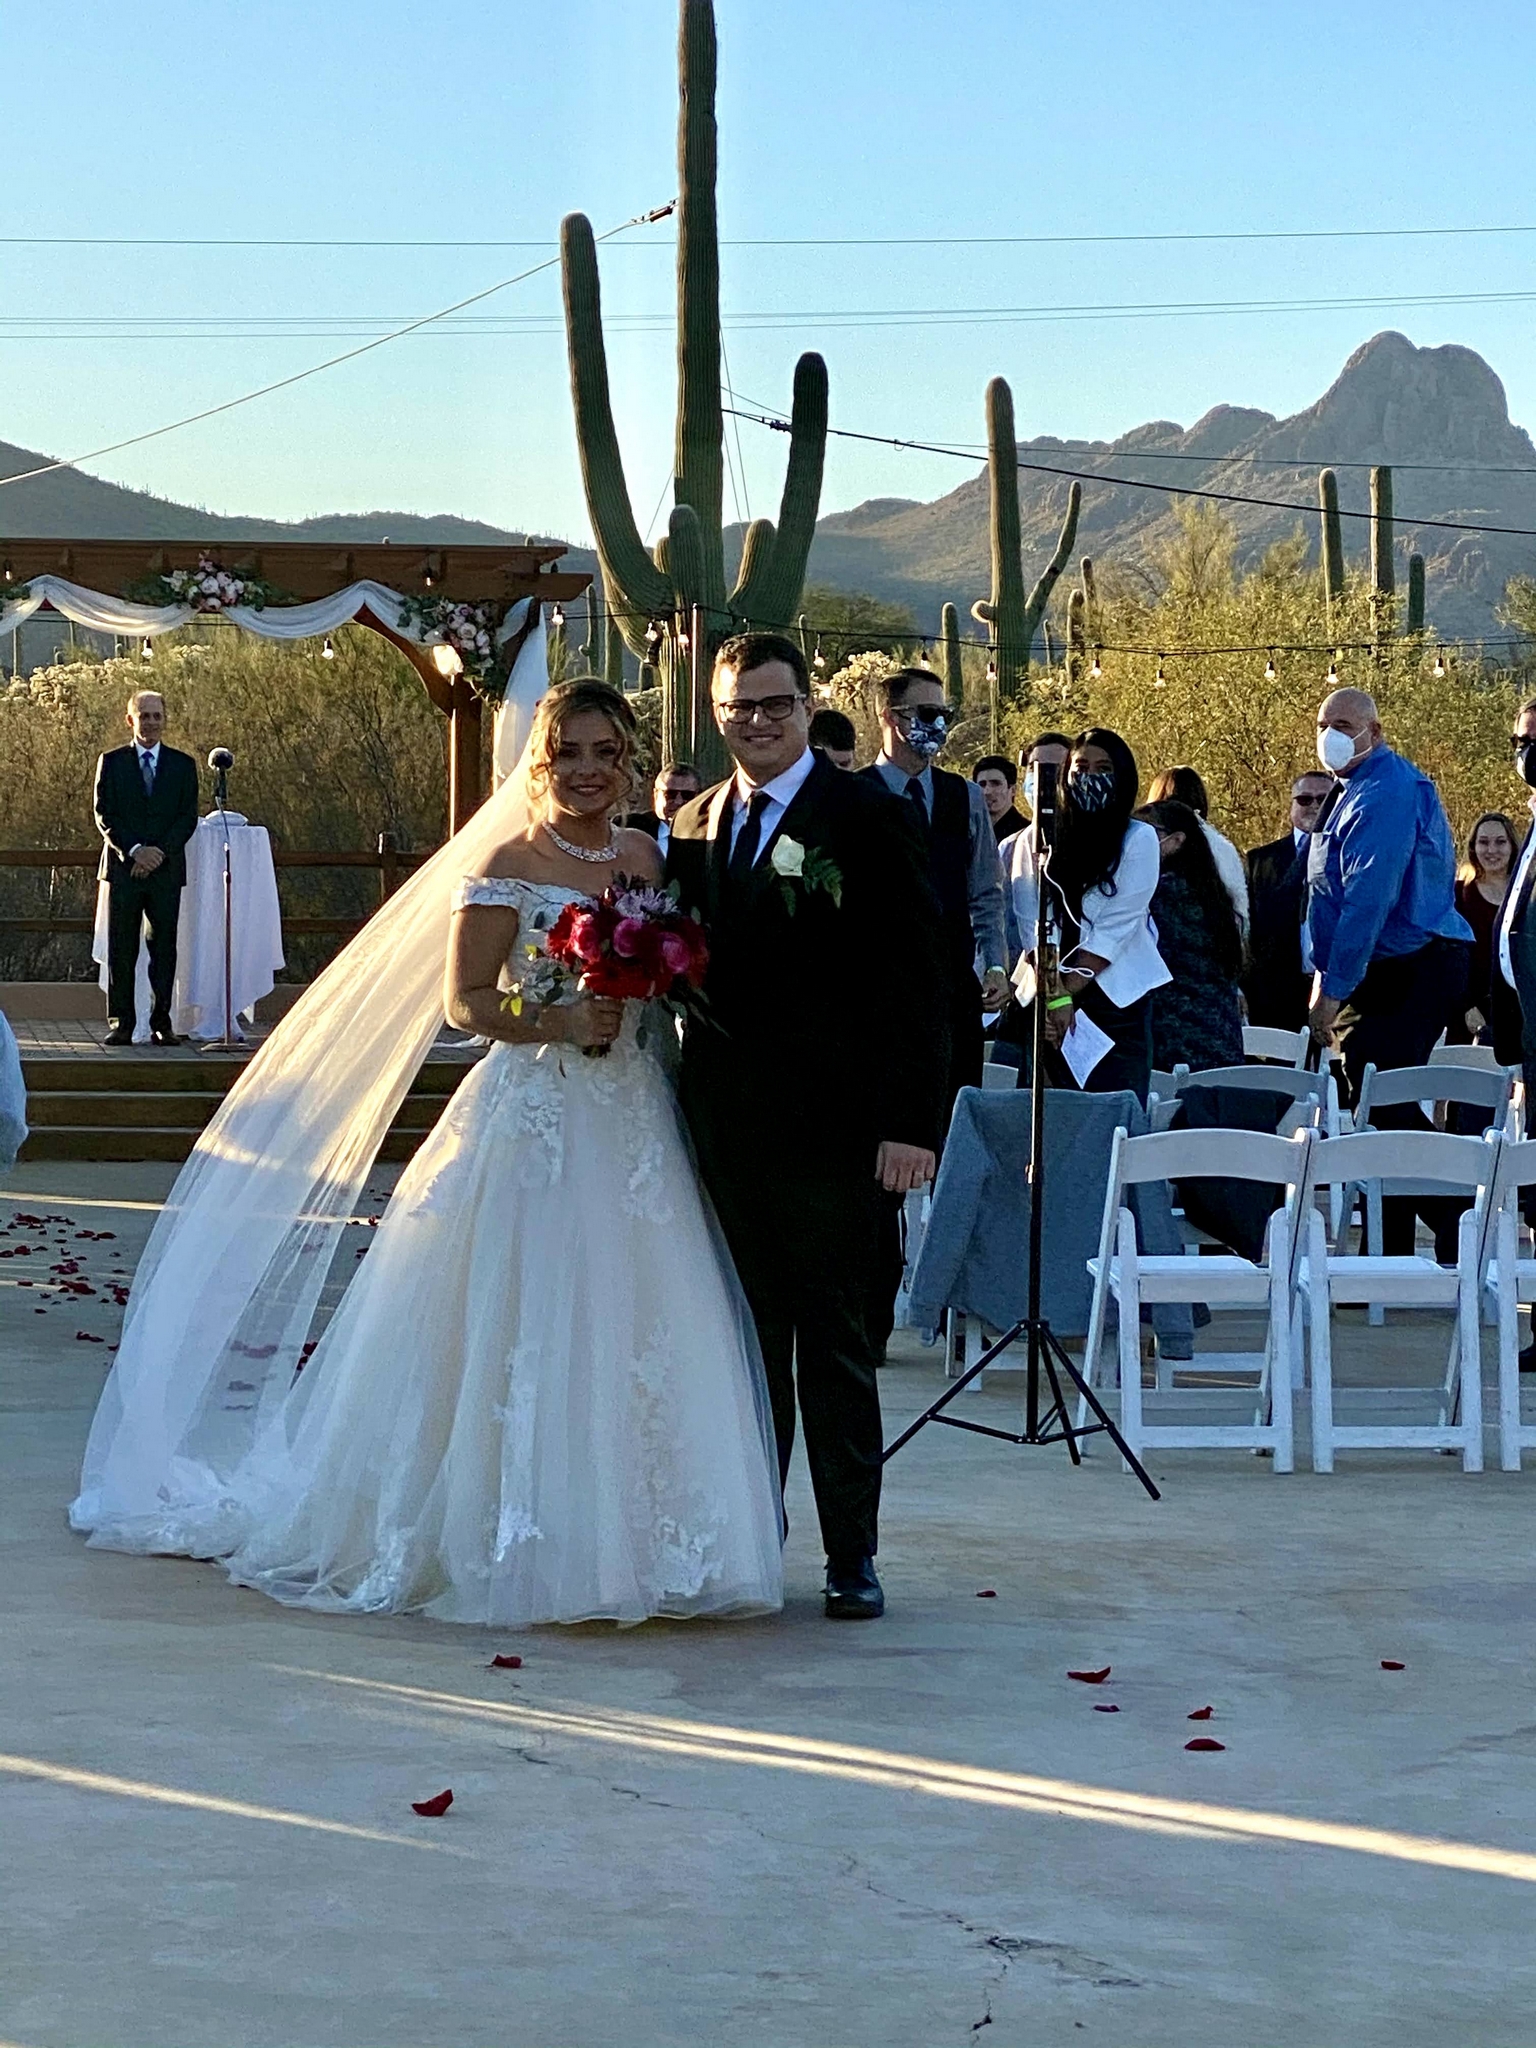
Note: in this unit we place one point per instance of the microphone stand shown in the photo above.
(1045, 1354)
(229, 1042)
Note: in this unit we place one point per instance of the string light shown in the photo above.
(1439, 667)
(922, 659)
(557, 618)
(328, 651)
(818, 659)
(1159, 681)
(652, 640)
(146, 649)
(991, 669)
(1270, 670)
(1098, 667)
(1333, 674)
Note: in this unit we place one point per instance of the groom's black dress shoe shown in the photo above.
(853, 1591)
(162, 1034)
(120, 1034)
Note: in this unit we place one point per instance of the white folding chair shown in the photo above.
(1332, 1279)
(1271, 1042)
(1131, 1277)
(1510, 1276)
(998, 1074)
(1440, 1083)
(1481, 1056)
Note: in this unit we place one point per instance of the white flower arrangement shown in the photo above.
(209, 588)
(469, 629)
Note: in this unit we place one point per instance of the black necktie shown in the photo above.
(147, 770)
(744, 852)
(915, 792)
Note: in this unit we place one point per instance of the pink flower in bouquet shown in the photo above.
(628, 935)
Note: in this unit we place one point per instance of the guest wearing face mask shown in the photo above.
(1389, 946)
(1104, 872)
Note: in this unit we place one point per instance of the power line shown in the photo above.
(781, 425)
(767, 242)
(315, 369)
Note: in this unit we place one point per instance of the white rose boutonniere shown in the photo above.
(804, 867)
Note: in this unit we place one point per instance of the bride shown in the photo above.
(540, 1397)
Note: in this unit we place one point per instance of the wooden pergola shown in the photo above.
(306, 570)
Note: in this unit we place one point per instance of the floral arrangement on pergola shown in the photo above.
(460, 615)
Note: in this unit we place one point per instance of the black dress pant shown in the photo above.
(806, 1247)
(156, 899)
(1127, 1064)
(1393, 1020)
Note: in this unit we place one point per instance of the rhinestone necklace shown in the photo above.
(608, 852)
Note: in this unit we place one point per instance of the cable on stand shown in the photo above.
(221, 760)
(1046, 1356)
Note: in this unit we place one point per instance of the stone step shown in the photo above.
(141, 1142)
(94, 1109)
(174, 1071)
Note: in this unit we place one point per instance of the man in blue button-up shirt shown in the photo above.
(1388, 944)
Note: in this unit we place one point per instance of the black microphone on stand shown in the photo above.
(221, 760)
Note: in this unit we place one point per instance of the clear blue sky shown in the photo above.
(491, 118)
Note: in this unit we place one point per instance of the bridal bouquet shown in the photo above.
(633, 943)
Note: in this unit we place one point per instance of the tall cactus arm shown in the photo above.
(1003, 473)
(699, 464)
(631, 572)
(1382, 576)
(954, 672)
(756, 557)
(1333, 539)
(688, 553)
(1415, 620)
(1040, 596)
(769, 590)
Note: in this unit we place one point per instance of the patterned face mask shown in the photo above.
(1092, 789)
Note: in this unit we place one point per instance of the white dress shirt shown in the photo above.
(1512, 896)
(781, 793)
(1118, 928)
(141, 755)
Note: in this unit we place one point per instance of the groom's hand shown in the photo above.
(900, 1168)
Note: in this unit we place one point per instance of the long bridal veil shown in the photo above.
(234, 1268)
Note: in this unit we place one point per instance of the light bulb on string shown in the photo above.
(652, 640)
(328, 651)
(922, 659)
(991, 669)
(1270, 670)
(1332, 678)
(818, 659)
(1160, 681)
(1098, 667)
(146, 649)
(557, 618)
(1439, 667)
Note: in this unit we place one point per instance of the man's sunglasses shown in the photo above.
(1520, 741)
(1308, 803)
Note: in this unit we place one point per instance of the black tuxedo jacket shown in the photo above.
(1273, 981)
(828, 1027)
(126, 817)
(644, 821)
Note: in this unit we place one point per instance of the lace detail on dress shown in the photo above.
(498, 892)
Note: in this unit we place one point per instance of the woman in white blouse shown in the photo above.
(1102, 875)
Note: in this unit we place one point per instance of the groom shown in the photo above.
(818, 1079)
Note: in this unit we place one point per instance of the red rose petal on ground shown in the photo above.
(1391, 1664)
(1205, 1742)
(1201, 1714)
(433, 1808)
(987, 1593)
(1091, 1677)
(505, 1664)
(1100, 1708)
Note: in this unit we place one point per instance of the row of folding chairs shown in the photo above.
(1301, 1278)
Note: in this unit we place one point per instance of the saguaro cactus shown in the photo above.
(1077, 640)
(1012, 617)
(1333, 543)
(954, 673)
(1415, 618)
(688, 566)
(1383, 581)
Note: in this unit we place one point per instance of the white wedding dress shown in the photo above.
(540, 1398)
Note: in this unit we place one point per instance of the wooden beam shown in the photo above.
(466, 792)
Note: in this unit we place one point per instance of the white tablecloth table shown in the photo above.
(256, 935)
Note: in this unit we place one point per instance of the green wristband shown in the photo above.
(1059, 1003)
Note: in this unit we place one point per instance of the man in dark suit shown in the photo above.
(813, 1089)
(146, 811)
(1278, 983)
(673, 787)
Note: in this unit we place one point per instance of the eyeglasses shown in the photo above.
(1521, 740)
(742, 710)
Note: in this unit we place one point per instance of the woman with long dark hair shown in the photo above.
(1102, 875)
(1197, 1019)
(1493, 851)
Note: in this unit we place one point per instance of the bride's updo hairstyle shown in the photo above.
(563, 701)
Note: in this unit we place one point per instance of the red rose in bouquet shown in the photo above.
(631, 943)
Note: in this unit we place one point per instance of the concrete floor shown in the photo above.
(782, 1833)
